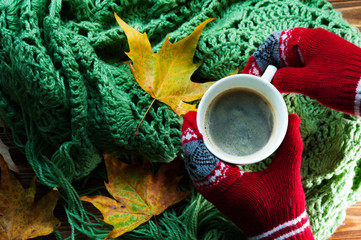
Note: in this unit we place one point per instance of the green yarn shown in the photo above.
(65, 88)
(194, 219)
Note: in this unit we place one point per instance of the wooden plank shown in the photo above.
(351, 229)
(351, 11)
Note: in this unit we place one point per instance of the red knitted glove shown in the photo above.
(313, 62)
(266, 205)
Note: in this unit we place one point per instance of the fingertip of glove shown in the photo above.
(294, 119)
(190, 130)
(290, 151)
(293, 135)
(190, 115)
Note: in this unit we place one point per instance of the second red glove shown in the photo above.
(313, 62)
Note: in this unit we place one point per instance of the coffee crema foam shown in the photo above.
(239, 121)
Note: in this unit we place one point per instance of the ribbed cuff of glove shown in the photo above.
(297, 228)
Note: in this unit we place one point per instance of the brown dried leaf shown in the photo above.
(21, 217)
(138, 194)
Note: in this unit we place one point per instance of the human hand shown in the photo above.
(313, 62)
(269, 204)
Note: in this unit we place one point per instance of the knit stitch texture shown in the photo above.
(65, 88)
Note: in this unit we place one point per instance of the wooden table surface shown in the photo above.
(351, 11)
(351, 229)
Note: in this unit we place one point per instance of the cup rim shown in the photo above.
(269, 92)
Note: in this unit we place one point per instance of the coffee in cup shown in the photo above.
(243, 118)
(239, 121)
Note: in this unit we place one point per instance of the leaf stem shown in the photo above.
(137, 132)
(156, 222)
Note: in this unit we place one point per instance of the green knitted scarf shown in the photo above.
(65, 89)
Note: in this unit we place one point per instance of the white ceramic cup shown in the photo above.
(263, 86)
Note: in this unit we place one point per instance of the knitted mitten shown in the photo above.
(313, 62)
(266, 205)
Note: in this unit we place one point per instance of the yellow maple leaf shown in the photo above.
(166, 75)
(138, 194)
(21, 217)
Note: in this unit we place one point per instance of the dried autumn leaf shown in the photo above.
(21, 217)
(234, 72)
(166, 75)
(138, 194)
